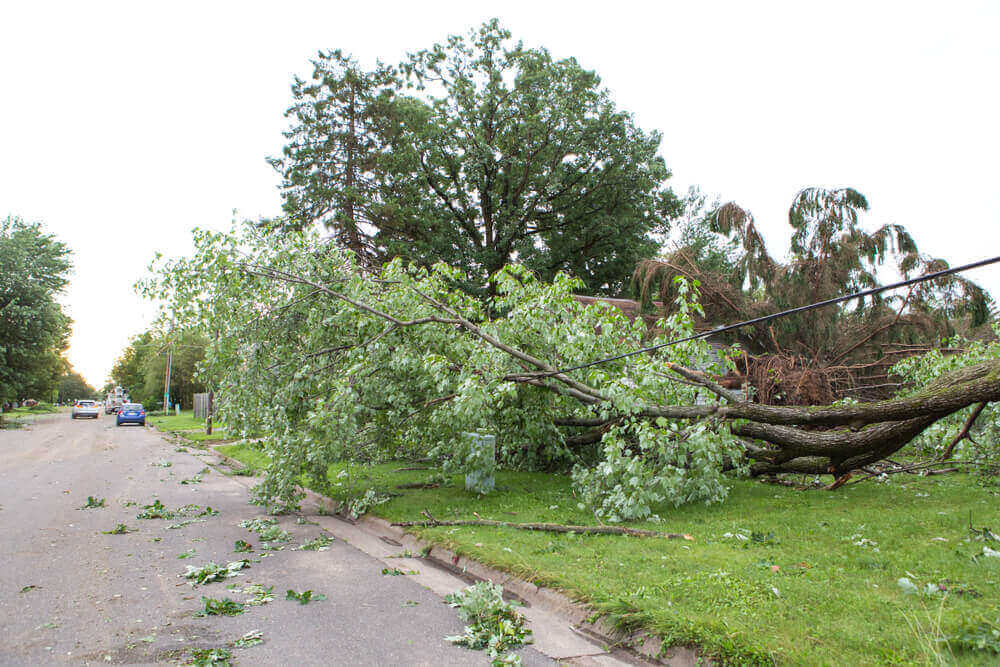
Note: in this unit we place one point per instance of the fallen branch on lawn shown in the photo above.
(547, 527)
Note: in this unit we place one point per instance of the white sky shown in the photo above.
(125, 124)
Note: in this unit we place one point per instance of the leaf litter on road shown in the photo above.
(252, 638)
(305, 597)
(120, 529)
(93, 503)
(211, 572)
(223, 607)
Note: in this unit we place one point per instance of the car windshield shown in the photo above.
(132, 406)
(87, 404)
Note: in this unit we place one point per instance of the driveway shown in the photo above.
(70, 592)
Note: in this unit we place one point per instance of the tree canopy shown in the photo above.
(141, 367)
(477, 152)
(34, 331)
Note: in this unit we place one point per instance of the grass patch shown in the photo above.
(201, 436)
(773, 574)
(249, 456)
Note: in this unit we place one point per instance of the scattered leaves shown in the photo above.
(249, 639)
(157, 510)
(210, 657)
(215, 572)
(223, 607)
(120, 529)
(305, 597)
(321, 543)
(494, 625)
(93, 503)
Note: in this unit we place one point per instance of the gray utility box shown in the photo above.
(482, 459)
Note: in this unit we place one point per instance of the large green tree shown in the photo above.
(34, 331)
(477, 152)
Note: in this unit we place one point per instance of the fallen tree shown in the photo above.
(332, 362)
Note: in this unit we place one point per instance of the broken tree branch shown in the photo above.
(431, 522)
(964, 433)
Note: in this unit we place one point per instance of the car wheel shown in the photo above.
(118, 423)
(142, 423)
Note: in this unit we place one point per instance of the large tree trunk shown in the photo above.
(852, 436)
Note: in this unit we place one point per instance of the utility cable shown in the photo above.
(774, 316)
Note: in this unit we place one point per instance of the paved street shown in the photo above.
(70, 593)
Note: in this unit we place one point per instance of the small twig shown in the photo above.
(547, 527)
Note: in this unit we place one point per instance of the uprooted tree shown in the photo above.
(331, 361)
(818, 356)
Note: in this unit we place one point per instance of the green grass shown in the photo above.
(246, 454)
(187, 426)
(41, 408)
(16, 417)
(172, 423)
(833, 597)
(201, 436)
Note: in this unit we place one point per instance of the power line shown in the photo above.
(774, 316)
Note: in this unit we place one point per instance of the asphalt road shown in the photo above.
(69, 593)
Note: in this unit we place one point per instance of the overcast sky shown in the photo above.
(124, 125)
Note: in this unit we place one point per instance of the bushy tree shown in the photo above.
(477, 152)
(34, 331)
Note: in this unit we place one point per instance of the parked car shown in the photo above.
(85, 409)
(131, 413)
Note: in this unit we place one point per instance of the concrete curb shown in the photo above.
(564, 629)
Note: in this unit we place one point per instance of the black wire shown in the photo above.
(773, 316)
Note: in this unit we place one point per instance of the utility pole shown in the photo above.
(166, 380)
(208, 413)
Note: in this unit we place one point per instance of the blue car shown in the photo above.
(131, 413)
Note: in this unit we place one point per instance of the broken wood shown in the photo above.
(431, 522)
(964, 433)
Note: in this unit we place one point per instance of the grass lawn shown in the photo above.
(773, 574)
(187, 426)
(19, 416)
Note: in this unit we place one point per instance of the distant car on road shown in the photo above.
(85, 409)
(131, 413)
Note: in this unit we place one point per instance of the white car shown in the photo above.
(85, 409)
